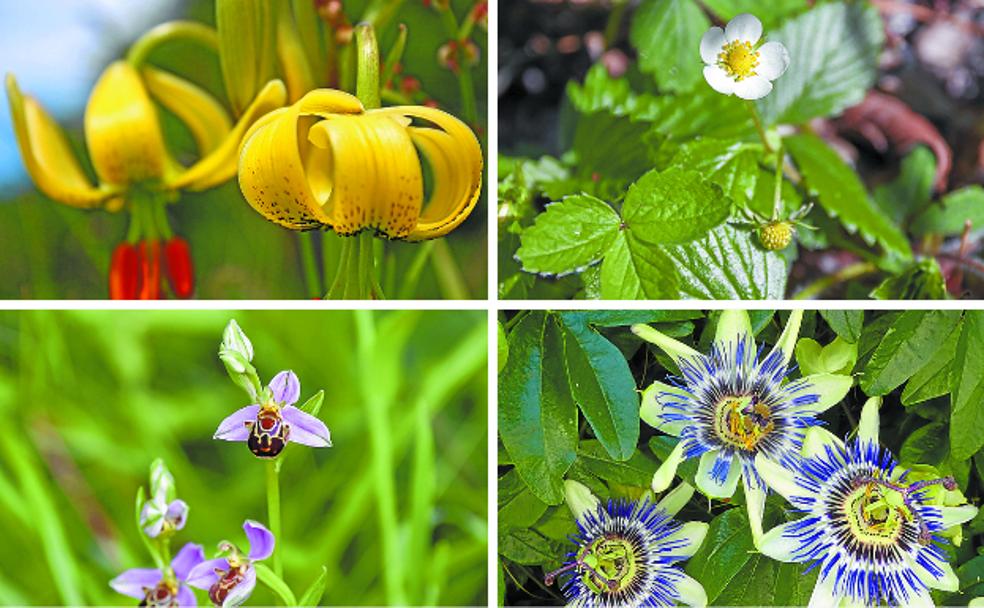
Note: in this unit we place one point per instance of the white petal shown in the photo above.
(868, 426)
(787, 340)
(947, 582)
(690, 592)
(773, 60)
(719, 79)
(831, 388)
(817, 439)
(712, 487)
(920, 599)
(753, 87)
(579, 498)
(954, 516)
(744, 27)
(824, 595)
(711, 44)
(674, 348)
(667, 471)
(654, 400)
(733, 325)
(777, 545)
(777, 477)
(676, 500)
(755, 503)
(693, 532)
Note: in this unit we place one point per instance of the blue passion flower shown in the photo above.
(732, 405)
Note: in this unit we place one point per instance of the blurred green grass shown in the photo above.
(51, 251)
(90, 398)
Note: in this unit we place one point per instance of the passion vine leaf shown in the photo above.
(933, 379)
(673, 206)
(842, 195)
(602, 386)
(726, 549)
(667, 34)
(636, 471)
(910, 342)
(518, 506)
(845, 323)
(569, 235)
(833, 52)
(967, 398)
(537, 416)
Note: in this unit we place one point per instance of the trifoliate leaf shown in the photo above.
(833, 51)
(667, 34)
(569, 235)
(842, 195)
(636, 270)
(673, 206)
(731, 164)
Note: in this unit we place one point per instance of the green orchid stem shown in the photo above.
(311, 276)
(758, 125)
(172, 30)
(844, 274)
(273, 513)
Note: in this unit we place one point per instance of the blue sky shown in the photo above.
(57, 48)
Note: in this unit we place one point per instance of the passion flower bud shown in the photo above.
(179, 267)
(124, 273)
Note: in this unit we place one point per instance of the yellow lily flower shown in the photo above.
(327, 162)
(124, 138)
(134, 167)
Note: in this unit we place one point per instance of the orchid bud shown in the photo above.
(234, 339)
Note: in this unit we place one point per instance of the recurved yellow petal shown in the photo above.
(374, 172)
(47, 155)
(276, 157)
(204, 116)
(455, 157)
(220, 165)
(122, 129)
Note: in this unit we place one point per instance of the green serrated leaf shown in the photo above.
(910, 342)
(948, 217)
(845, 323)
(537, 415)
(312, 596)
(911, 190)
(967, 398)
(667, 35)
(673, 206)
(602, 386)
(833, 51)
(920, 281)
(769, 11)
(727, 264)
(604, 163)
(933, 379)
(569, 235)
(732, 165)
(635, 270)
(842, 195)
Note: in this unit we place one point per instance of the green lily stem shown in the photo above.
(449, 277)
(844, 274)
(310, 267)
(758, 125)
(172, 30)
(367, 68)
(466, 86)
(273, 514)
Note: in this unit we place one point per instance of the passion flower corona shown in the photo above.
(327, 162)
(731, 406)
(626, 554)
(736, 64)
(873, 530)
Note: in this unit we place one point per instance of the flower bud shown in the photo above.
(579, 498)
(161, 481)
(247, 47)
(234, 339)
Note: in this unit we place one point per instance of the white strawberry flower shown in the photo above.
(735, 65)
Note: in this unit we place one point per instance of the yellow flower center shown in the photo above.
(739, 59)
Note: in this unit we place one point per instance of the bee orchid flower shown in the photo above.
(871, 528)
(269, 426)
(734, 409)
(230, 580)
(136, 171)
(626, 552)
(156, 588)
(326, 162)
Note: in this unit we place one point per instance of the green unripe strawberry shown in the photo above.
(776, 235)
